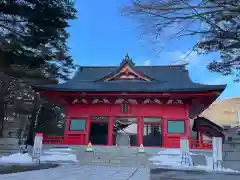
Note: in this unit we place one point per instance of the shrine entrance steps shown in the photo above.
(9, 145)
(114, 156)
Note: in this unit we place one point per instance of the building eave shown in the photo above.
(218, 88)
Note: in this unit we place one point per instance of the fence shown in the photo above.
(197, 144)
(53, 139)
(68, 139)
(82, 140)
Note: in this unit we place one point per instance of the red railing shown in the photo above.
(67, 139)
(174, 142)
(81, 140)
(53, 139)
(197, 144)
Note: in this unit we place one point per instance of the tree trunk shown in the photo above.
(2, 114)
(4, 84)
(33, 122)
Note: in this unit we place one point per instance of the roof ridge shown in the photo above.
(163, 66)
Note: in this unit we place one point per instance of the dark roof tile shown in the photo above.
(167, 79)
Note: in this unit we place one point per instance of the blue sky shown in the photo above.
(101, 36)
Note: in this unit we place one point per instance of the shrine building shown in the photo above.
(157, 101)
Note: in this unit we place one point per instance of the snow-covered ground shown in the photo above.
(171, 158)
(53, 155)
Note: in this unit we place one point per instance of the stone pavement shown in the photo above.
(82, 172)
(90, 172)
(170, 174)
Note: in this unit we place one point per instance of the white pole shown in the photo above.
(217, 153)
(185, 152)
(238, 117)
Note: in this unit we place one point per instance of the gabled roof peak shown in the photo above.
(127, 60)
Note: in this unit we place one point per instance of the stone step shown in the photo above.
(8, 148)
(13, 123)
(198, 159)
(13, 132)
(109, 156)
(116, 154)
(5, 141)
(12, 129)
(5, 154)
(114, 158)
(4, 151)
(112, 148)
(114, 162)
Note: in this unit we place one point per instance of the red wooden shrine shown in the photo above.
(147, 93)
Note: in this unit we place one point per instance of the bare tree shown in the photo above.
(215, 22)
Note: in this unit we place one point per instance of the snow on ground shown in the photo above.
(55, 152)
(16, 158)
(171, 158)
(172, 151)
(53, 155)
(59, 157)
(61, 149)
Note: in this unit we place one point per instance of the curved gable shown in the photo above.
(126, 71)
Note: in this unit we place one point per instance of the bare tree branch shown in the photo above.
(215, 22)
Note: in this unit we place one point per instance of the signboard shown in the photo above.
(185, 152)
(37, 148)
(217, 153)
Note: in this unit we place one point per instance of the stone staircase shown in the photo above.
(113, 156)
(9, 140)
(8, 146)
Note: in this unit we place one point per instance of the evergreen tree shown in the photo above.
(33, 38)
(33, 47)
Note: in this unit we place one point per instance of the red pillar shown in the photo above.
(164, 132)
(110, 131)
(201, 137)
(67, 125)
(87, 140)
(68, 118)
(187, 123)
(201, 140)
(140, 131)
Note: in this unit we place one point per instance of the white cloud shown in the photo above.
(179, 57)
(192, 58)
(147, 63)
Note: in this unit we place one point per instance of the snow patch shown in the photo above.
(55, 152)
(53, 155)
(171, 158)
(61, 149)
(173, 151)
(59, 157)
(166, 160)
(16, 158)
(209, 166)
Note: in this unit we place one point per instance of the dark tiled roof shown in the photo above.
(201, 121)
(165, 79)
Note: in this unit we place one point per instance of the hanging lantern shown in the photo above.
(125, 107)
